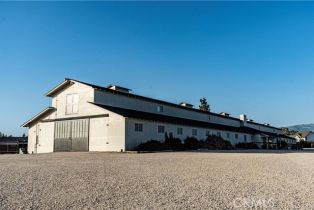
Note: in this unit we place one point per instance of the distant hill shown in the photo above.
(302, 127)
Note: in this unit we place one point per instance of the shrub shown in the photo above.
(246, 145)
(173, 143)
(270, 146)
(216, 142)
(152, 145)
(191, 143)
(282, 145)
(305, 144)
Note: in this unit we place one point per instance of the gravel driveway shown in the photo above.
(182, 180)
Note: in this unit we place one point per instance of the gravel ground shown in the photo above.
(182, 180)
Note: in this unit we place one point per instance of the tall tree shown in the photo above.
(204, 105)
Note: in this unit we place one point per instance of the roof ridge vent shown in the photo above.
(184, 104)
(119, 88)
(224, 114)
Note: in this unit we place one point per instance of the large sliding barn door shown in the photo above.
(71, 135)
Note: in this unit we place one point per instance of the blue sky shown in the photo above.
(249, 57)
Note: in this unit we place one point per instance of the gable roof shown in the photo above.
(60, 87)
(304, 134)
(175, 120)
(39, 116)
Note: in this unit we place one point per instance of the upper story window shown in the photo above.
(72, 103)
(161, 129)
(236, 136)
(138, 127)
(179, 131)
(218, 134)
(244, 138)
(194, 132)
(228, 135)
(160, 109)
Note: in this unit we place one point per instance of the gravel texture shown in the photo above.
(182, 180)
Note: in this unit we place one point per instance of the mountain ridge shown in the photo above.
(302, 127)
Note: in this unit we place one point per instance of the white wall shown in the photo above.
(107, 134)
(264, 128)
(150, 132)
(31, 139)
(45, 137)
(45, 132)
(86, 95)
(98, 140)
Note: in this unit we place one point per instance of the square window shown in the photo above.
(138, 127)
(160, 109)
(161, 129)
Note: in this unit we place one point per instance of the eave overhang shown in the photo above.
(39, 116)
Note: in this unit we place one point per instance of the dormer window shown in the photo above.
(72, 104)
(160, 109)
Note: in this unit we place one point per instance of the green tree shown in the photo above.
(204, 105)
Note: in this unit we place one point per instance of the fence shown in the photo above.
(9, 147)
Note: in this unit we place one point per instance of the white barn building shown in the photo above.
(87, 117)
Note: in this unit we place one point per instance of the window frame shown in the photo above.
(161, 131)
(138, 127)
(160, 109)
(72, 106)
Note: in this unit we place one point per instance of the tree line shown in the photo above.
(3, 135)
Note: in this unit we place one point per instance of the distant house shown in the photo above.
(304, 136)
